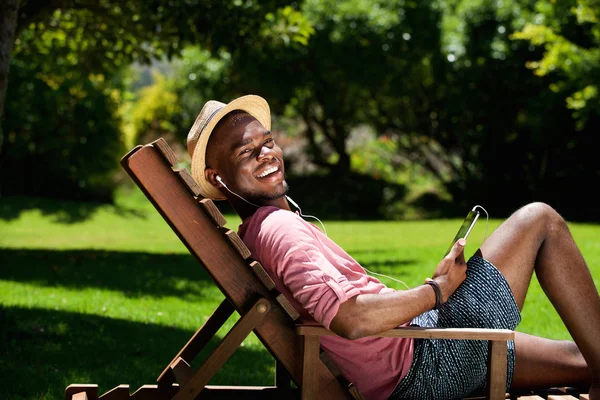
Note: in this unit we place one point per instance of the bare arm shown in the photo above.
(368, 314)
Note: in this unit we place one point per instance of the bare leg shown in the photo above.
(537, 238)
(543, 363)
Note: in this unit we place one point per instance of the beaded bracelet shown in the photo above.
(438, 293)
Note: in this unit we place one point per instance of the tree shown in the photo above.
(73, 43)
(570, 36)
(506, 130)
(361, 54)
(8, 26)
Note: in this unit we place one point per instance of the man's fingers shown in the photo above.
(457, 249)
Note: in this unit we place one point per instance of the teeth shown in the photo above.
(267, 172)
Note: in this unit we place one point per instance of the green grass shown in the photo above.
(108, 294)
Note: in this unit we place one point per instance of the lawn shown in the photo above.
(108, 294)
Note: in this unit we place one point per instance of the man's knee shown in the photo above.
(542, 215)
(536, 209)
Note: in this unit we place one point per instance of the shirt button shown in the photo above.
(326, 277)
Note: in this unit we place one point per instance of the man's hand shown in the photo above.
(452, 270)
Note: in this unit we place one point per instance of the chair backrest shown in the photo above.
(201, 227)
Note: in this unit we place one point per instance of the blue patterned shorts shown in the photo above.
(453, 369)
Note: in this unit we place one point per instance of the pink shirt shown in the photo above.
(316, 276)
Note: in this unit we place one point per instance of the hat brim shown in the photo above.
(254, 105)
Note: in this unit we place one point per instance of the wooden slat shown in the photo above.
(213, 212)
(166, 151)
(421, 333)
(324, 356)
(80, 396)
(224, 350)
(153, 392)
(212, 392)
(237, 243)
(182, 371)
(287, 307)
(120, 392)
(262, 275)
(310, 382)
(584, 396)
(189, 182)
(352, 389)
(561, 397)
(91, 391)
(283, 380)
(532, 397)
(497, 360)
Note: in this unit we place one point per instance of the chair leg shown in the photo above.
(182, 371)
(497, 361)
(283, 379)
(310, 378)
(120, 392)
(224, 350)
(198, 340)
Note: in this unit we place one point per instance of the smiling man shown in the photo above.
(234, 157)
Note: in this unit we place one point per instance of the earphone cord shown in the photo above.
(389, 277)
(235, 194)
(287, 197)
(487, 218)
(306, 216)
(325, 230)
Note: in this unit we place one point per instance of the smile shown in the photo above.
(267, 172)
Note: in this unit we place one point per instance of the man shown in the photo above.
(234, 157)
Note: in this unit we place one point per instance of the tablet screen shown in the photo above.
(465, 228)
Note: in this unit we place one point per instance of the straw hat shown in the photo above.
(197, 139)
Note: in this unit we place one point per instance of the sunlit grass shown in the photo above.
(109, 294)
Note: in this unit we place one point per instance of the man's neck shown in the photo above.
(245, 210)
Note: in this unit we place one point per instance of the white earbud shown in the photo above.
(218, 178)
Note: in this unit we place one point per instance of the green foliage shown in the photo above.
(198, 76)
(157, 105)
(444, 77)
(62, 138)
(70, 55)
(447, 78)
(108, 33)
(359, 54)
(288, 26)
(569, 32)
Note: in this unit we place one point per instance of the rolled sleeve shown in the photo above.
(317, 288)
(298, 261)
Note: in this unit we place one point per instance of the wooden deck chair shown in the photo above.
(248, 289)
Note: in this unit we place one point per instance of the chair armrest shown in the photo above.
(416, 332)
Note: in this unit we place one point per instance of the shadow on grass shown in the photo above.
(63, 211)
(134, 274)
(43, 351)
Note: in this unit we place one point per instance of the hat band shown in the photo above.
(209, 119)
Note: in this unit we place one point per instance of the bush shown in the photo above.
(61, 136)
(353, 196)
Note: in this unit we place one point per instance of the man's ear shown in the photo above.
(210, 175)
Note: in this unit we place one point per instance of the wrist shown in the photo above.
(439, 300)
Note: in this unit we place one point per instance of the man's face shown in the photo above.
(243, 153)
